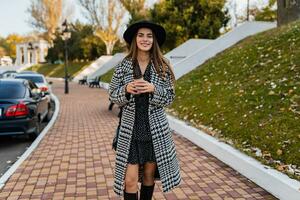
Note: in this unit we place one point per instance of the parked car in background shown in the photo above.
(22, 107)
(1, 72)
(38, 79)
(8, 74)
(27, 72)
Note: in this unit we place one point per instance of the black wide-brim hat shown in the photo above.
(158, 30)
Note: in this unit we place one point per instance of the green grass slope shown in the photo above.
(249, 95)
(107, 76)
(57, 70)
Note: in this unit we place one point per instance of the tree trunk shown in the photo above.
(110, 47)
(287, 11)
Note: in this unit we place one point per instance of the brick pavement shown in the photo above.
(75, 159)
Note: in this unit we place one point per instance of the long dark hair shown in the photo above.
(161, 64)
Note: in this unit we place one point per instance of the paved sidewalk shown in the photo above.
(75, 159)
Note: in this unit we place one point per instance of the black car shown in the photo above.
(22, 107)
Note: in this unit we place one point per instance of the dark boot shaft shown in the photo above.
(146, 192)
(130, 196)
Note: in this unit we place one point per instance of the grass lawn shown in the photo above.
(249, 96)
(107, 76)
(57, 70)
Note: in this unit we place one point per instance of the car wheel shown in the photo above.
(49, 115)
(37, 130)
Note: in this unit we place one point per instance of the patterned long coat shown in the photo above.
(164, 148)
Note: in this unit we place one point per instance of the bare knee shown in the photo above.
(148, 177)
(131, 178)
(131, 183)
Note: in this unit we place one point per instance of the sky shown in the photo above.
(14, 18)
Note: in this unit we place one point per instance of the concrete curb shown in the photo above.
(32, 147)
(104, 85)
(275, 182)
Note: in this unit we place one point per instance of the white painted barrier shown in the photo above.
(92, 67)
(227, 40)
(118, 57)
(184, 50)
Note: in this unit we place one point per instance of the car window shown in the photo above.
(35, 79)
(12, 91)
(32, 85)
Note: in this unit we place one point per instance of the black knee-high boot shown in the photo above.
(130, 196)
(146, 192)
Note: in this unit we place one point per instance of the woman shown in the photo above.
(143, 84)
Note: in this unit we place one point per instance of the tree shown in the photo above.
(185, 19)
(251, 10)
(2, 52)
(269, 13)
(8, 45)
(106, 16)
(83, 44)
(12, 41)
(136, 8)
(47, 15)
(3, 47)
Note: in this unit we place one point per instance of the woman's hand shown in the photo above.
(143, 86)
(130, 88)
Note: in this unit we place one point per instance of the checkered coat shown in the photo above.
(164, 148)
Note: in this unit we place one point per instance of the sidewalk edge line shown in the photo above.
(32, 147)
(275, 182)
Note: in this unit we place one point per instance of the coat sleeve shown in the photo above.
(117, 93)
(164, 94)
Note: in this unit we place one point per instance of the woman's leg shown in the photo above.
(148, 181)
(131, 178)
(149, 171)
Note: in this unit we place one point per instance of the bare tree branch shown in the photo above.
(47, 15)
(106, 16)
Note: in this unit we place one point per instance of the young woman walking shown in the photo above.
(143, 84)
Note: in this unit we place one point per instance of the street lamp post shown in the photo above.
(66, 34)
